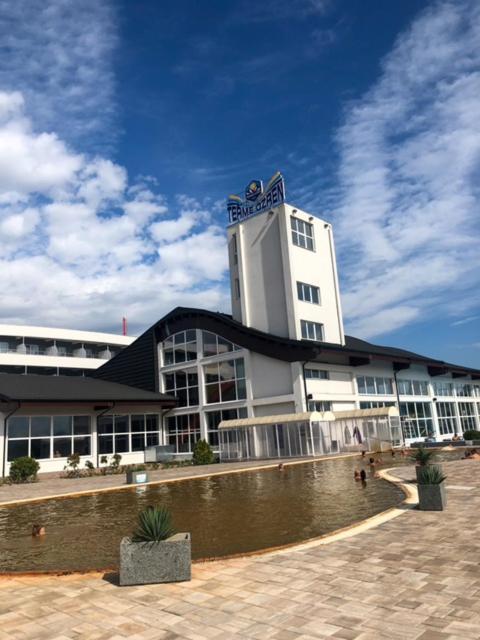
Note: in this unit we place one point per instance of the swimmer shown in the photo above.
(357, 475)
(363, 454)
(281, 467)
(393, 453)
(363, 476)
(38, 530)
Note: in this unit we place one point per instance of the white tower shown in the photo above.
(282, 267)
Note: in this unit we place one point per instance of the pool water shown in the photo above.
(229, 514)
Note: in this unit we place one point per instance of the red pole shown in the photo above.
(124, 326)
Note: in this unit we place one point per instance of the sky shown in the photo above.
(125, 124)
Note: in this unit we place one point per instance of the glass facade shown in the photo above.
(127, 433)
(443, 388)
(180, 347)
(447, 423)
(412, 387)
(183, 384)
(214, 345)
(416, 418)
(467, 415)
(183, 431)
(46, 437)
(368, 385)
(375, 404)
(215, 417)
(225, 381)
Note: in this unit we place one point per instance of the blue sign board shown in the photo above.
(257, 199)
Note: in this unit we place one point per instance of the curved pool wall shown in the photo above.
(229, 514)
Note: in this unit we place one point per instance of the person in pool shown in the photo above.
(38, 530)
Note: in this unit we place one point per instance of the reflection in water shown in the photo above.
(228, 514)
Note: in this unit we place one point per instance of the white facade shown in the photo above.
(29, 349)
(283, 272)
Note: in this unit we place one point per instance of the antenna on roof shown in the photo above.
(124, 326)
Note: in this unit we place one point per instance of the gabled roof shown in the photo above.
(137, 365)
(39, 388)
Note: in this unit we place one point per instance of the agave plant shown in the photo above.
(430, 475)
(154, 525)
(423, 456)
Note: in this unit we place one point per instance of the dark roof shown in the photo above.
(40, 388)
(137, 364)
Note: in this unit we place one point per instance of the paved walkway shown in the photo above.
(53, 484)
(414, 577)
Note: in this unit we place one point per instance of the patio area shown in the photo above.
(416, 576)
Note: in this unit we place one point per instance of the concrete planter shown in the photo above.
(432, 497)
(137, 477)
(151, 562)
(418, 468)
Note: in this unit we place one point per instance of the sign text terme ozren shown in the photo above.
(257, 199)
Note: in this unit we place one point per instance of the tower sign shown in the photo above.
(257, 199)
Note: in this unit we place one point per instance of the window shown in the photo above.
(46, 437)
(316, 374)
(215, 417)
(302, 233)
(180, 347)
(311, 330)
(183, 432)
(319, 405)
(124, 434)
(308, 293)
(234, 248)
(446, 417)
(183, 384)
(237, 288)
(443, 388)
(367, 385)
(225, 381)
(467, 415)
(214, 345)
(464, 390)
(412, 387)
(375, 404)
(416, 418)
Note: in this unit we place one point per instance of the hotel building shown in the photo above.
(282, 351)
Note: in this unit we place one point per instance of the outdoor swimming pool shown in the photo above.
(229, 514)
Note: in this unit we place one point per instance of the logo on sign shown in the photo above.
(257, 199)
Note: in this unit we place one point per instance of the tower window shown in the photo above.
(308, 293)
(237, 288)
(302, 234)
(311, 330)
(235, 248)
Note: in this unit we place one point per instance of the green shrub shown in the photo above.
(71, 468)
(154, 525)
(202, 453)
(24, 469)
(471, 434)
(423, 456)
(430, 474)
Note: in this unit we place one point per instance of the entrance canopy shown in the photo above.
(310, 416)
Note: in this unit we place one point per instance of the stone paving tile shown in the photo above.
(415, 577)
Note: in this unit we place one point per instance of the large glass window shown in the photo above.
(46, 437)
(214, 345)
(464, 390)
(446, 417)
(225, 381)
(183, 432)
(443, 388)
(180, 347)
(215, 417)
(311, 330)
(319, 405)
(467, 415)
(368, 385)
(416, 418)
(302, 234)
(127, 433)
(183, 384)
(308, 293)
(412, 388)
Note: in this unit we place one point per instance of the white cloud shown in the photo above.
(407, 215)
(81, 246)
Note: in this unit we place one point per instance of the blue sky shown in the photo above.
(124, 125)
